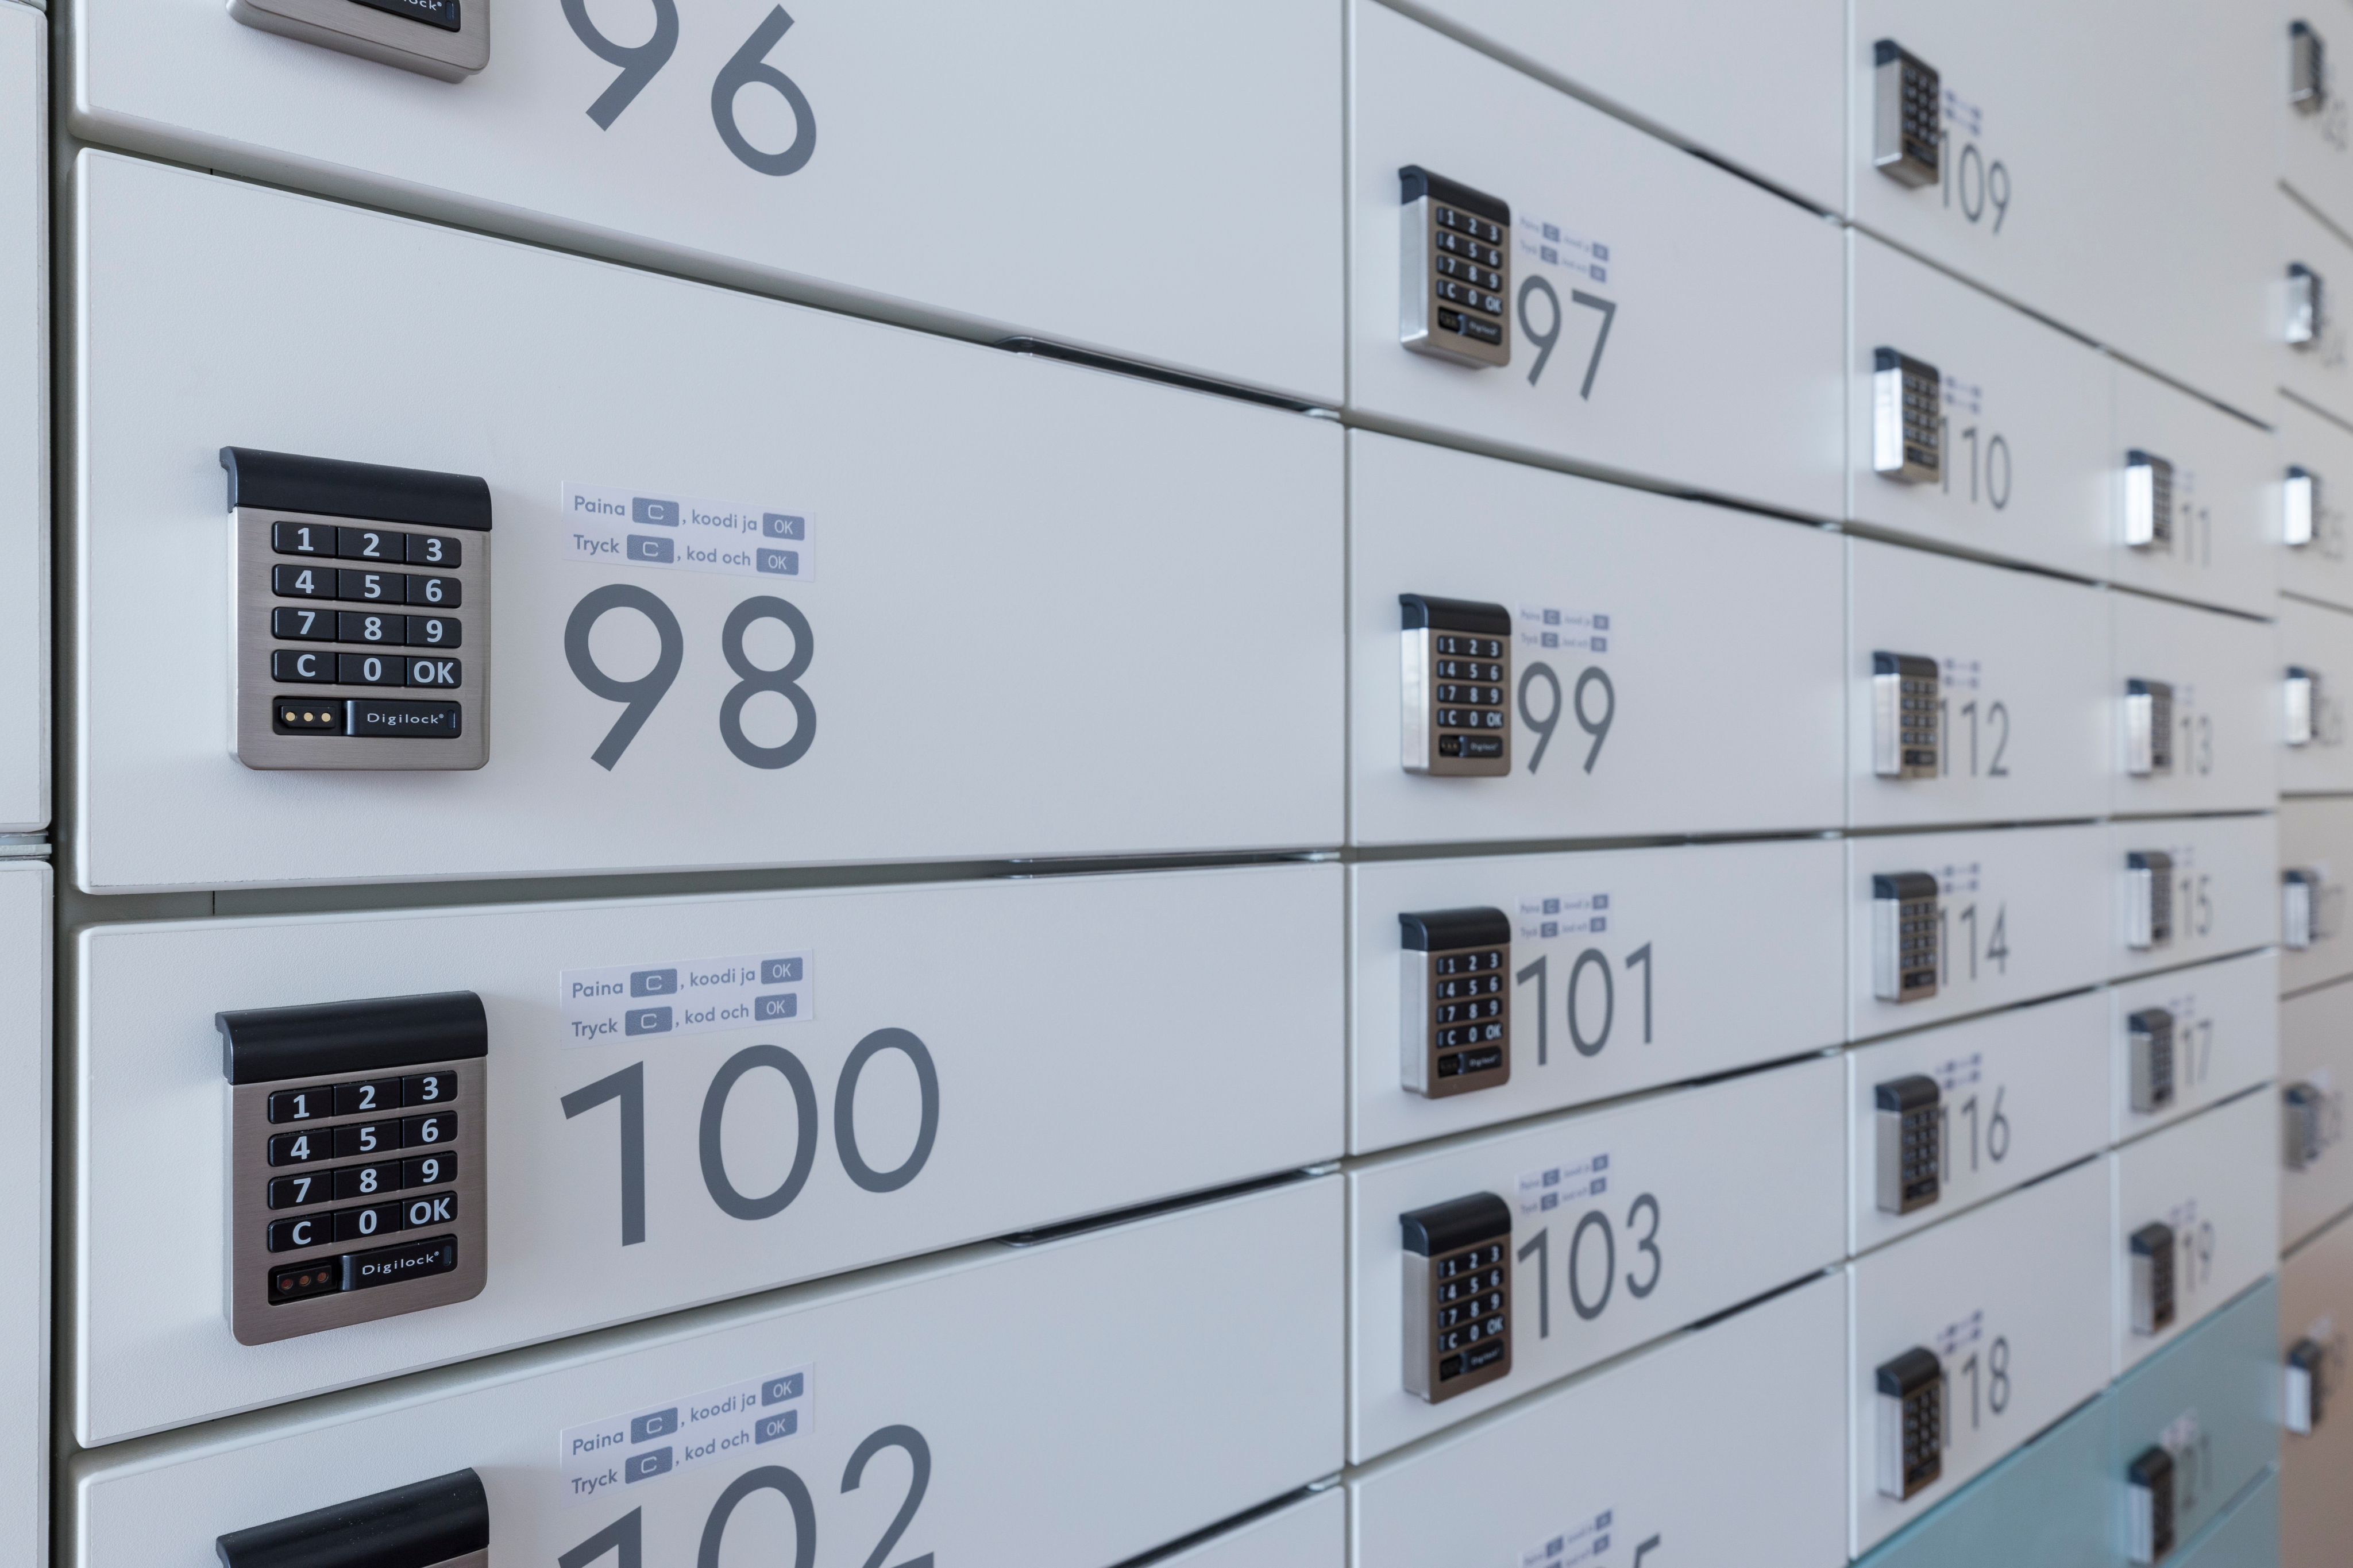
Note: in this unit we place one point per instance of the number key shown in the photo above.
(424, 1130)
(294, 1191)
(351, 626)
(358, 1225)
(302, 538)
(366, 1181)
(359, 1099)
(428, 1171)
(302, 581)
(384, 586)
(300, 1104)
(432, 631)
(297, 1148)
(367, 1138)
(440, 593)
(302, 625)
(371, 544)
(429, 1088)
(432, 550)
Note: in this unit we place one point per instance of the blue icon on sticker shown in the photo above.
(766, 1009)
(1548, 929)
(646, 1021)
(1552, 231)
(654, 983)
(660, 513)
(660, 551)
(1600, 900)
(645, 1467)
(1551, 639)
(780, 971)
(779, 563)
(1598, 923)
(660, 1424)
(1552, 906)
(777, 1390)
(782, 525)
(1598, 645)
(768, 1428)
(1548, 252)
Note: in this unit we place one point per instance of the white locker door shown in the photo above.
(1628, 968)
(2315, 862)
(2225, 1024)
(881, 159)
(1716, 1447)
(2021, 913)
(2019, 1095)
(2212, 1181)
(2317, 1311)
(23, 420)
(2073, 138)
(1631, 612)
(2315, 661)
(2311, 325)
(1310, 1533)
(2023, 470)
(1625, 1223)
(2315, 1069)
(2219, 676)
(26, 906)
(2220, 542)
(990, 664)
(1665, 319)
(2011, 1300)
(1754, 85)
(2020, 700)
(940, 1097)
(909, 1387)
(2222, 891)
(2315, 456)
(2310, 107)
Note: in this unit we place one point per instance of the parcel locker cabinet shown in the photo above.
(2316, 856)
(1941, 1120)
(26, 903)
(1612, 625)
(1582, 1237)
(2197, 1221)
(2315, 687)
(827, 151)
(2047, 1503)
(857, 657)
(2194, 707)
(1974, 692)
(2315, 1391)
(2191, 888)
(1969, 423)
(1705, 1448)
(2250, 1532)
(690, 1099)
(2192, 498)
(2311, 458)
(2049, 153)
(24, 421)
(1633, 309)
(1623, 969)
(2187, 1038)
(1969, 1338)
(839, 1413)
(1940, 925)
(2316, 1068)
(2195, 1425)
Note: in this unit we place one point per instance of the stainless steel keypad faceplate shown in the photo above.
(1910, 1437)
(2150, 1034)
(2299, 904)
(2306, 311)
(1906, 721)
(2149, 1260)
(2307, 69)
(2148, 502)
(1456, 684)
(446, 38)
(2299, 505)
(2306, 1390)
(2302, 702)
(1456, 1004)
(2304, 1109)
(2148, 1505)
(1456, 268)
(1910, 1143)
(1458, 1285)
(2148, 900)
(2149, 728)
(361, 608)
(1905, 940)
(356, 1182)
(1906, 418)
(443, 1522)
(1908, 116)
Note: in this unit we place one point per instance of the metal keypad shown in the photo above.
(1458, 1310)
(2303, 1126)
(2299, 506)
(1910, 1117)
(2150, 1034)
(2302, 703)
(2148, 1505)
(2307, 1388)
(1457, 682)
(2149, 728)
(2148, 502)
(356, 1168)
(2150, 1254)
(1905, 938)
(1906, 716)
(1911, 1401)
(1456, 1006)
(2148, 900)
(1906, 418)
(1456, 270)
(2299, 907)
(2307, 75)
(2306, 310)
(1907, 120)
(336, 607)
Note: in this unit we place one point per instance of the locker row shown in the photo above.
(907, 1377)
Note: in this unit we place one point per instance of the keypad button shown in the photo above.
(295, 1192)
(290, 663)
(434, 631)
(301, 1104)
(442, 673)
(359, 1224)
(302, 538)
(289, 1234)
(425, 1131)
(436, 1208)
(302, 581)
(367, 1138)
(371, 670)
(372, 587)
(429, 1088)
(371, 544)
(302, 625)
(366, 1181)
(375, 1094)
(363, 626)
(429, 1171)
(437, 593)
(433, 550)
(297, 1148)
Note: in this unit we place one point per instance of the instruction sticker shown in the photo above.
(622, 1451)
(687, 995)
(688, 533)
